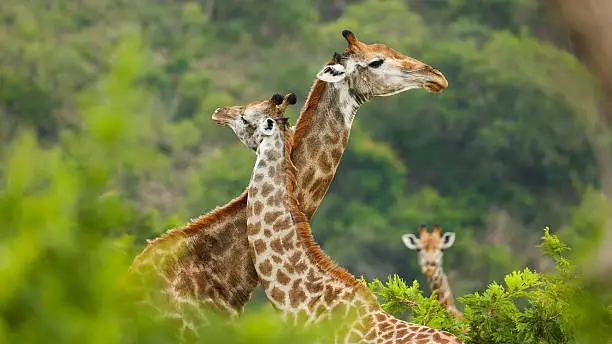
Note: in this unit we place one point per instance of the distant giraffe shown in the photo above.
(298, 278)
(429, 247)
(214, 247)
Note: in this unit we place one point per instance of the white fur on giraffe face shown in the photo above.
(381, 76)
(267, 126)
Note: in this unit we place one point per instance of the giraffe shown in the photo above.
(215, 246)
(300, 281)
(173, 270)
(429, 247)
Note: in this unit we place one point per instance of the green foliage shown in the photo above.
(531, 308)
(398, 298)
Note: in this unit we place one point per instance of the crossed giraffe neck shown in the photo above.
(298, 278)
(429, 247)
(209, 261)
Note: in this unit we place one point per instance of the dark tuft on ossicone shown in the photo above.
(277, 99)
(337, 57)
(346, 33)
(292, 98)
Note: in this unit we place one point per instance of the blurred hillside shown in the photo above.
(105, 130)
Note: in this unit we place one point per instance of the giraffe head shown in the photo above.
(429, 247)
(245, 120)
(271, 127)
(375, 70)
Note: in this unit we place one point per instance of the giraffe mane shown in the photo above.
(309, 107)
(193, 228)
(301, 222)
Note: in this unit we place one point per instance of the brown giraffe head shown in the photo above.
(429, 247)
(375, 70)
(244, 120)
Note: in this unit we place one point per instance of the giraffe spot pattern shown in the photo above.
(329, 294)
(252, 191)
(282, 225)
(296, 294)
(265, 268)
(282, 278)
(253, 228)
(288, 241)
(271, 201)
(307, 177)
(336, 155)
(388, 335)
(277, 246)
(278, 295)
(257, 208)
(259, 246)
(324, 163)
(272, 155)
(289, 268)
(270, 217)
(314, 288)
(266, 189)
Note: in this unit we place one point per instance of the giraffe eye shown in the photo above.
(244, 120)
(376, 63)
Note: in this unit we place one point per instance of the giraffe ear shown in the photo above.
(447, 240)
(267, 126)
(411, 241)
(332, 73)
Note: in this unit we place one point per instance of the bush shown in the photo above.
(532, 307)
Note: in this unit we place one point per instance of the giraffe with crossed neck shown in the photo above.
(173, 275)
(207, 259)
(300, 281)
(429, 247)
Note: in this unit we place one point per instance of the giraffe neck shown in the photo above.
(321, 136)
(297, 277)
(439, 282)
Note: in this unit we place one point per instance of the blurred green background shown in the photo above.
(106, 140)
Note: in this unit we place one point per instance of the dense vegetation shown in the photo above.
(532, 307)
(106, 140)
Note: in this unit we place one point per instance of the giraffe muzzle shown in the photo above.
(435, 81)
(222, 117)
(429, 271)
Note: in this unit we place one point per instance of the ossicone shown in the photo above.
(288, 99)
(350, 37)
(422, 229)
(291, 98)
(277, 99)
